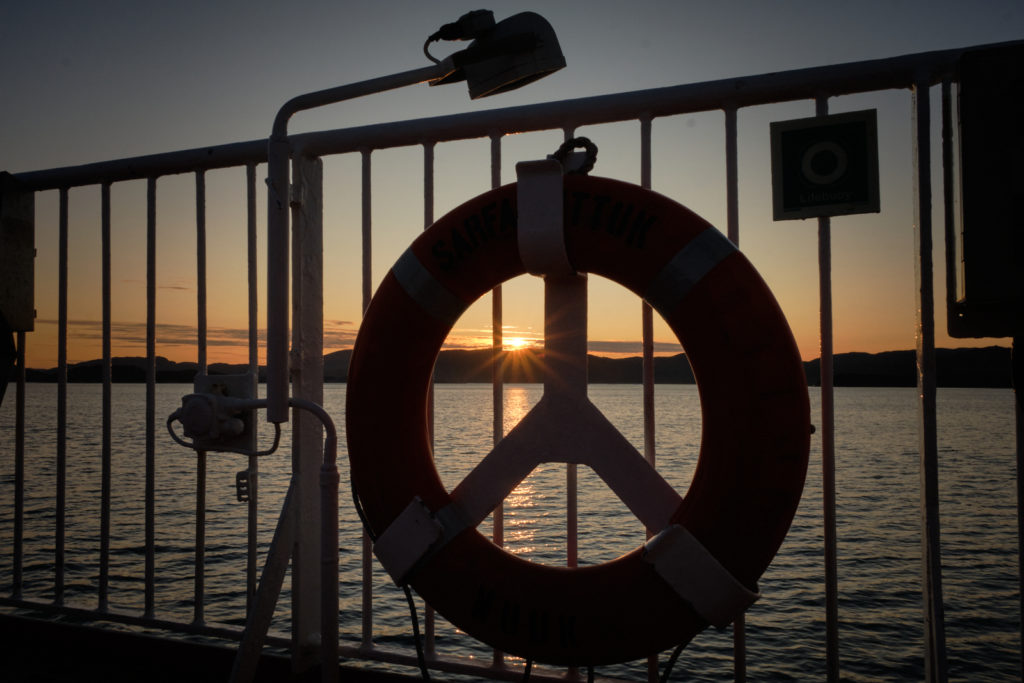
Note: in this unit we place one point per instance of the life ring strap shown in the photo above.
(698, 578)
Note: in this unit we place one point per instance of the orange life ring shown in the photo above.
(755, 436)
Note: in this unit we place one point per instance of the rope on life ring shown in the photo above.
(754, 447)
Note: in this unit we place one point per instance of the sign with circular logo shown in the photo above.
(825, 165)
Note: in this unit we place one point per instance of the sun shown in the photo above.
(516, 343)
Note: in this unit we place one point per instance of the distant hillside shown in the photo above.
(984, 367)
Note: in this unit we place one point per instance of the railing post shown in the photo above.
(931, 580)
(307, 383)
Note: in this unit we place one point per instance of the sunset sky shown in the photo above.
(92, 81)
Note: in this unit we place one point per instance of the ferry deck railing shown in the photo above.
(918, 74)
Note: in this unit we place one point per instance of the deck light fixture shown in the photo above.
(501, 57)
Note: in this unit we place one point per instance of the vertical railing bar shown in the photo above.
(201, 268)
(150, 485)
(250, 196)
(1017, 370)
(732, 221)
(948, 189)
(104, 575)
(732, 194)
(367, 249)
(497, 345)
(571, 475)
(826, 364)
(59, 558)
(647, 336)
(367, 227)
(571, 502)
(19, 470)
(252, 512)
(429, 618)
(647, 318)
(200, 553)
(497, 377)
(828, 466)
(935, 645)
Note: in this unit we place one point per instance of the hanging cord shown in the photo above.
(467, 27)
(526, 671)
(421, 658)
(562, 155)
(671, 663)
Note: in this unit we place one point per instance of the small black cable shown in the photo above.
(361, 514)
(426, 50)
(416, 634)
(420, 657)
(590, 673)
(671, 663)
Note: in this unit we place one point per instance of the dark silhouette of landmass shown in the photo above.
(982, 367)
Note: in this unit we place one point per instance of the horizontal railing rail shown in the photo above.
(929, 68)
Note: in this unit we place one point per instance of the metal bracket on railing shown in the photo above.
(220, 415)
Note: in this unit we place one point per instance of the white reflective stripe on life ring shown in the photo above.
(691, 263)
(424, 289)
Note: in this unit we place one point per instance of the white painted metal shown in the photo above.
(252, 516)
(931, 580)
(828, 463)
(60, 523)
(918, 71)
(564, 427)
(150, 495)
(497, 380)
(307, 372)
(278, 153)
(429, 622)
(732, 220)
(199, 592)
(647, 352)
(271, 580)
(106, 433)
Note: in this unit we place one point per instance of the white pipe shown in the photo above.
(278, 152)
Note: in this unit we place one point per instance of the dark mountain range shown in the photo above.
(983, 367)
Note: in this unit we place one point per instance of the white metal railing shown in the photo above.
(917, 73)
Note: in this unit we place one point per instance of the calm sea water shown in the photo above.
(879, 545)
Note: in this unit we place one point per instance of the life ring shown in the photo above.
(755, 435)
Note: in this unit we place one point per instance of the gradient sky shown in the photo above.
(91, 81)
